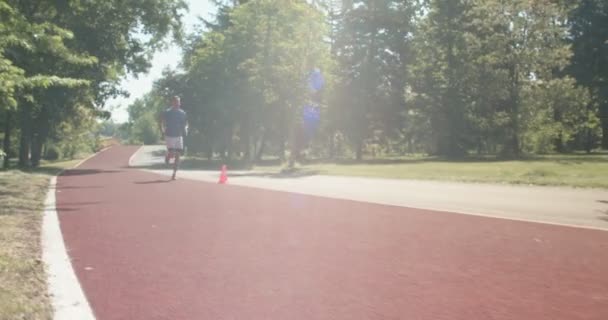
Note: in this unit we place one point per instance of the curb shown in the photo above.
(67, 297)
(134, 155)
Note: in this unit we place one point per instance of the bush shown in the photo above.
(52, 153)
(145, 129)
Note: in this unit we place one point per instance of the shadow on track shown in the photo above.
(153, 181)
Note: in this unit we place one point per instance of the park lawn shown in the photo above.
(576, 170)
(23, 288)
(586, 171)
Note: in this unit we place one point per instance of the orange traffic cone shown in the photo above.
(223, 175)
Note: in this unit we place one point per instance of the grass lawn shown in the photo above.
(586, 171)
(576, 173)
(23, 291)
(576, 170)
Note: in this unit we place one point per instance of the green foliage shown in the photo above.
(447, 77)
(108, 128)
(589, 65)
(19, 36)
(60, 60)
(490, 71)
(244, 81)
(145, 130)
(52, 153)
(372, 46)
(555, 112)
(76, 135)
(444, 77)
(144, 115)
(124, 132)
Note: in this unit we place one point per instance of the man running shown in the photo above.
(174, 127)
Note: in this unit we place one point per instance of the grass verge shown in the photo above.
(585, 171)
(23, 288)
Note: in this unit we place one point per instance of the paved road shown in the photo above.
(569, 206)
(145, 248)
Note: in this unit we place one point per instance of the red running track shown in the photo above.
(147, 249)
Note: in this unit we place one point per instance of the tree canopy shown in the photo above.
(442, 77)
(61, 60)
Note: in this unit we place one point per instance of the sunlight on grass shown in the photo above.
(576, 171)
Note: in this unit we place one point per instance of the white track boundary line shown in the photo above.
(67, 297)
(134, 155)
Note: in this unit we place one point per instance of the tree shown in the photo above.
(245, 78)
(22, 39)
(372, 47)
(442, 73)
(445, 77)
(555, 112)
(589, 37)
(484, 68)
(532, 45)
(94, 41)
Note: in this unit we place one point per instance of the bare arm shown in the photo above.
(185, 124)
(161, 123)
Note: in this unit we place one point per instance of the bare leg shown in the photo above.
(175, 164)
(167, 156)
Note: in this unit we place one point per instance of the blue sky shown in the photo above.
(167, 58)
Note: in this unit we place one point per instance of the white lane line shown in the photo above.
(134, 155)
(67, 297)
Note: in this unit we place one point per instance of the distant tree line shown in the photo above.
(442, 77)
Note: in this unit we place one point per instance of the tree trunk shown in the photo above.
(282, 149)
(229, 144)
(37, 142)
(559, 144)
(589, 141)
(247, 145)
(332, 145)
(294, 147)
(6, 145)
(359, 150)
(514, 145)
(260, 149)
(209, 150)
(24, 148)
(40, 133)
(285, 135)
(25, 139)
(260, 153)
(604, 121)
(208, 141)
(249, 140)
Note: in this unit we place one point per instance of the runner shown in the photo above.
(174, 127)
